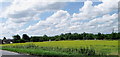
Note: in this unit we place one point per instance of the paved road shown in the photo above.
(13, 54)
(9, 53)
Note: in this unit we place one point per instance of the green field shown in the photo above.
(71, 47)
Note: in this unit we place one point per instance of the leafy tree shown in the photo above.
(118, 36)
(90, 37)
(45, 37)
(22, 41)
(16, 38)
(99, 36)
(3, 41)
(80, 37)
(84, 35)
(62, 36)
(34, 39)
(26, 37)
(108, 36)
(66, 36)
(4, 38)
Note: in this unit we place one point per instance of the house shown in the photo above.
(7, 41)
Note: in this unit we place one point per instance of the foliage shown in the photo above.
(16, 38)
(66, 36)
(4, 38)
(26, 38)
(81, 47)
(66, 48)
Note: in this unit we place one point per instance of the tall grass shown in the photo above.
(68, 48)
(77, 51)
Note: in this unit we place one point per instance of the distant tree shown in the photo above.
(4, 38)
(16, 38)
(25, 37)
(84, 35)
(95, 36)
(62, 37)
(58, 39)
(22, 41)
(90, 37)
(74, 36)
(115, 36)
(99, 36)
(118, 36)
(80, 37)
(34, 39)
(45, 38)
(66, 36)
(108, 37)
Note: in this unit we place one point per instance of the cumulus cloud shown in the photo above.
(88, 11)
(92, 19)
(103, 19)
(9, 28)
(21, 10)
(54, 23)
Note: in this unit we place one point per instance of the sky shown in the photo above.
(53, 17)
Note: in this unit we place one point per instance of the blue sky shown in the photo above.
(71, 7)
(53, 18)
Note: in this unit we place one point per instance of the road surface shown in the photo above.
(13, 54)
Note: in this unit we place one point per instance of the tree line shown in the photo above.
(66, 36)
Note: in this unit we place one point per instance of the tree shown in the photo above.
(22, 41)
(84, 35)
(45, 38)
(34, 39)
(62, 36)
(99, 35)
(118, 36)
(16, 38)
(90, 37)
(74, 36)
(4, 38)
(68, 36)
(108, 36)
(80, 37)
(26, 37)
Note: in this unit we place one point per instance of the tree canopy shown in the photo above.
(66, 36)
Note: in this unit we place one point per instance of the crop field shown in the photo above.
(71, 47)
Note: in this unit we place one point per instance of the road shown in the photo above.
(13, 54)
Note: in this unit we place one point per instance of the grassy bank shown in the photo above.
(66, 48)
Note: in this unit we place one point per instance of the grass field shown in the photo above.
(71, 47)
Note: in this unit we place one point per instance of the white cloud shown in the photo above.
(9, 29)
(98, 18)
(54, 23)
(54, 0)
(23, 11)
(6, 0)
(103, 19)
(88, 11)
(27, 9)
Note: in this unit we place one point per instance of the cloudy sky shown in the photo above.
(53, 17)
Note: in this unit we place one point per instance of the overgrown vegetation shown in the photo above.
(69, 44)
(66, 48)
(67, 36)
